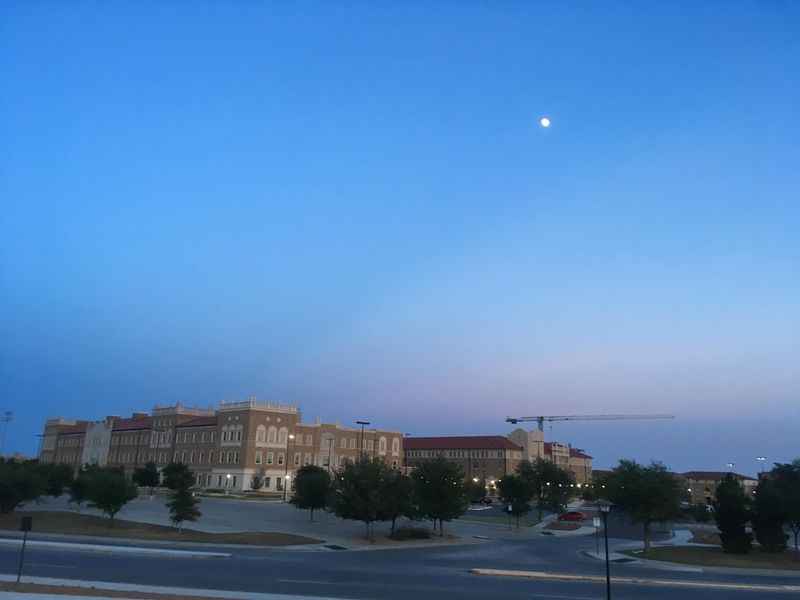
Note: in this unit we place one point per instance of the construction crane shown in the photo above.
(541, 419)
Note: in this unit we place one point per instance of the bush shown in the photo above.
(732, 512)
(19, 483)
(411, 533)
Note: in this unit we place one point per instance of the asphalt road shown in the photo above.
(429, 573)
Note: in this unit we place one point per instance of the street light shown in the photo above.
(761, 460)
(286, 466)
(730, 466)
(605, 508)
(361, 441)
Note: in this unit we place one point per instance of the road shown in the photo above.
(429, 573)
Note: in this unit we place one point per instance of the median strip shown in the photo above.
(717, 585)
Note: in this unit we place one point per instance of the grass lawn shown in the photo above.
(475, 516)
(77, 524)
(715, 557)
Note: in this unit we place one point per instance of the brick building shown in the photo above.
(224, 448)
(483, 457)
(702, 485)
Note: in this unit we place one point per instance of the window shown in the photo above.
(228, 457)
(296, 458)
(270, 457)
(307, 459)
(280, 458)
(183, 457)
(267, 482)
(282, 435)
(382, 445)
(261, 434)
(236, 458)
(213, 435)
(200, 458)
(233, 481)
(272, 433)
(239, 434)
(394, 464)
(395, 446)
(258, 458)
(343, 443)
(352, 443)
(309, 441)
(191, 457)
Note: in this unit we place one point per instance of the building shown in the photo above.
(225, 448)
(485, 458)
(565, 456)
(702, 485)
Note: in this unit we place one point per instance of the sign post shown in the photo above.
(25, 527)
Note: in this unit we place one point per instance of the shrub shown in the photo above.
(411, 533)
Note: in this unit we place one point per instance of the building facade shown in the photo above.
(575, 460)
(233, 447)
(702, 485)
(486, 458)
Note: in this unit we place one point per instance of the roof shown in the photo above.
(79, 427)
(132, 424)
(200, 422)
(578, 453)
(466, 442)
(713, 475)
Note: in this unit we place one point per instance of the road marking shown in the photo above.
(311, 581)
(717, 585)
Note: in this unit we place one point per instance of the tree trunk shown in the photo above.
(441, 528)
(796, 533)
(394, 521)
(646, 536)
(311, 515)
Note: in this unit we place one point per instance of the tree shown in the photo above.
(147, 476)
(439, 489)
(787, 485)
(312, 486)
(768, 517)
(396, 498)
(550, 485)
(57, 477)
(19, 483)
(109, 491)
(647, 494)
(177, 476)
(182, 506)
(257, 482)
(79, 488)
(516, 492)
(475, 490)
(732, 512)
(357, 491)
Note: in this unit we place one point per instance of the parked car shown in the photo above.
(572, 515)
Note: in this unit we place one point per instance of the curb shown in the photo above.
(154, 589)
(107, 549)
(681, 583)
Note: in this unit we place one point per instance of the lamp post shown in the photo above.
(605, 508)
(286, 467)
(227, 483)
(361, 441)
(730, 466)
(761, 460)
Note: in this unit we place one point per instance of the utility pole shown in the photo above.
(7, 417)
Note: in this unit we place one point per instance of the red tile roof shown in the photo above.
(466, 442)
(713, 475)
(133, 424)
(200, 422)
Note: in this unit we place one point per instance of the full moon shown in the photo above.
(544, 122)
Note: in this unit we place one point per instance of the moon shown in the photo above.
(544, 122)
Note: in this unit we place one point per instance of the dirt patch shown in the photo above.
(33, 588)
(563, 526)
(76, 524)
(715, 557)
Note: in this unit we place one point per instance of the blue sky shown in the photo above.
(352, 208)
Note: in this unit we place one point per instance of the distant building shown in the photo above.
(702, 485)
(485, 458)
(565, 456)
(224, 448)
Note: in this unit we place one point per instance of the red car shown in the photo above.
(573, 515)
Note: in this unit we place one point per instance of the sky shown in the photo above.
(351, 207)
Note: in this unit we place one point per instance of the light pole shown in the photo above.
(730, 466)
(605, 508)
(286, 467)
(227, 483)
(361, 441)
(7, 417)
(761, 460)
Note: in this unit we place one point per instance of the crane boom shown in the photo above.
(540, 420)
